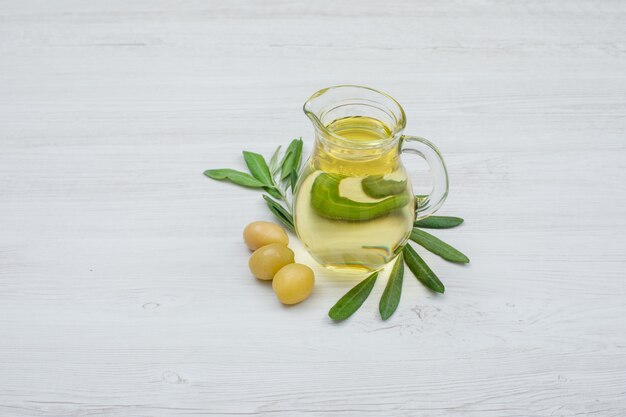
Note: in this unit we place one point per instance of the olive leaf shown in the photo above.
(274, 162)
(291, 160)
(327, 202)
(438, 246)
(393, 290)
(353, 299)
(376, 186)
(421, 271)
(297, 155)
(273, 192)
(420, 201)
(234, 176)
(293, 179)
(258, 167)
(287, 154)
(280, 212)
(438, 222)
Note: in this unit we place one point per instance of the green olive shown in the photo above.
(266, 261)
(293, 283)
(259, 234)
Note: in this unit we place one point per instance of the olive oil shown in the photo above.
(354, 207)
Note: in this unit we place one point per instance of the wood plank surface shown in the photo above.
(124, 288)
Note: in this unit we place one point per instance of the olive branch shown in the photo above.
(278, 179)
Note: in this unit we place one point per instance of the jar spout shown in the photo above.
(314, 108)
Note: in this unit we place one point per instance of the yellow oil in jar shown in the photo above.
(354, 207)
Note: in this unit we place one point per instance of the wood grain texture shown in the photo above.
(124, 289)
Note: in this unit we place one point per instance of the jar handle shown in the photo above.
(427, 205)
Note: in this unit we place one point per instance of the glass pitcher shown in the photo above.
(354, 206)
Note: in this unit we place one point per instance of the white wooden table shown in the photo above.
(124, 288)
